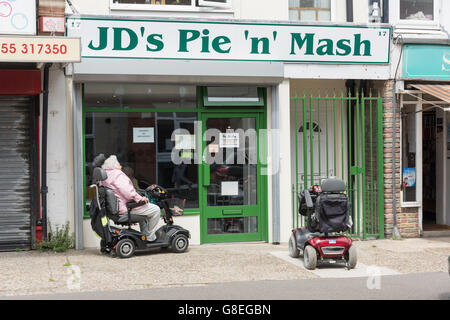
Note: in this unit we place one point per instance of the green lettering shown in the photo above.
(344, 45)
(255, 45)
(184, 39)
(299, 41)
(118, 39)
(326, 49)
(218, 42)
(102, 40)
(157, 43)
(358, 43)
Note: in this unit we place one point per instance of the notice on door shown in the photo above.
(143, 135)
(230, 188)
(229, 140)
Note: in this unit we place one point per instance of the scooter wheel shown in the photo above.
(310, 257)
(351, 257)
(180, 243)
(293, 250)
(125, 248)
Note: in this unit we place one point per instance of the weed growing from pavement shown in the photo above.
(59, 241)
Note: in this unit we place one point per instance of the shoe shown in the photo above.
(151, 241)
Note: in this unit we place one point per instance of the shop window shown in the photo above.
(129, 96)
(416, 10)
(409, 152)
(169, 4)
(142, 142)
(310, 10)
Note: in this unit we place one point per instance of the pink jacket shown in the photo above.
(123, 188)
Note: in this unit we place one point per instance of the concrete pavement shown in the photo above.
(73, 272)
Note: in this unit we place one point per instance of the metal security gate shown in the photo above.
(15, 172)
(341, 135)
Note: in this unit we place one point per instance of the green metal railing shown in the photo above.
(342, 135)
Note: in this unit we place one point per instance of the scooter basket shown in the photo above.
(176, 206)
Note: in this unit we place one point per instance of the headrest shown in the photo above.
(98, 160)
(333, 185)
(99, 174)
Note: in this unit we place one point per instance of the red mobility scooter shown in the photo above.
(327, 211)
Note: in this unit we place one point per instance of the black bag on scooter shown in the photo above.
(99, 218)
(333, 209)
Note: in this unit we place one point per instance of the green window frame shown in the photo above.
(236, 103)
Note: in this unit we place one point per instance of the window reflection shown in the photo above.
(132, 95)
(145, 159)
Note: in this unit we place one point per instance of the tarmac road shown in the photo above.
(422, 286)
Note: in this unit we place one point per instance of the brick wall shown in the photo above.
(407, 218)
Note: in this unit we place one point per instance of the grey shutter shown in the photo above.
(15, 173)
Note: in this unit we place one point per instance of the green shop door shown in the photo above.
(231, 183)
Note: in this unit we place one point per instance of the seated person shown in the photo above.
(125, 192)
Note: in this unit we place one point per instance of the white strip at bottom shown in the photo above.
(337, 270)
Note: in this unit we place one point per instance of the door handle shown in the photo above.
(231, 211)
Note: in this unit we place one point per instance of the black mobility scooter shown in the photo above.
(123, 242)
(327, 212)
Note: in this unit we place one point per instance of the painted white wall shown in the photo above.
(285, 161)
(98, 7)
(242, 9)
(360, 11)
(444, 16)
(261, 9)
(340, 8)
(59, 169)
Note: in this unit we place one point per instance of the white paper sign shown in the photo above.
(229, 140)
(143, 135)
(230, 188)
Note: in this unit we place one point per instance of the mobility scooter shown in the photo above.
(123, 242)
(327, 211)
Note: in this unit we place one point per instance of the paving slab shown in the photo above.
(337, 270)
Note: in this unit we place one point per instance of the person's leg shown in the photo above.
(152, 214)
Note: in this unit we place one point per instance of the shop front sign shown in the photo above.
(231, 41)
(426, 62)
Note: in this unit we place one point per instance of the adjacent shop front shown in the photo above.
(425, 100)
(203, 108)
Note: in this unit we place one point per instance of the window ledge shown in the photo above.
(411, 204)
(421, 36)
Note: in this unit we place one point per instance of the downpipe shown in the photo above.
(44, 187)
(395, 231)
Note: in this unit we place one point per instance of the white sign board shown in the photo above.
(143, 135)
(18, 17)
(233, 41)
(39, 49)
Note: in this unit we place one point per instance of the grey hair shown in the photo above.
(111, 163)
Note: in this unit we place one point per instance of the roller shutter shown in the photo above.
(15, 172)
